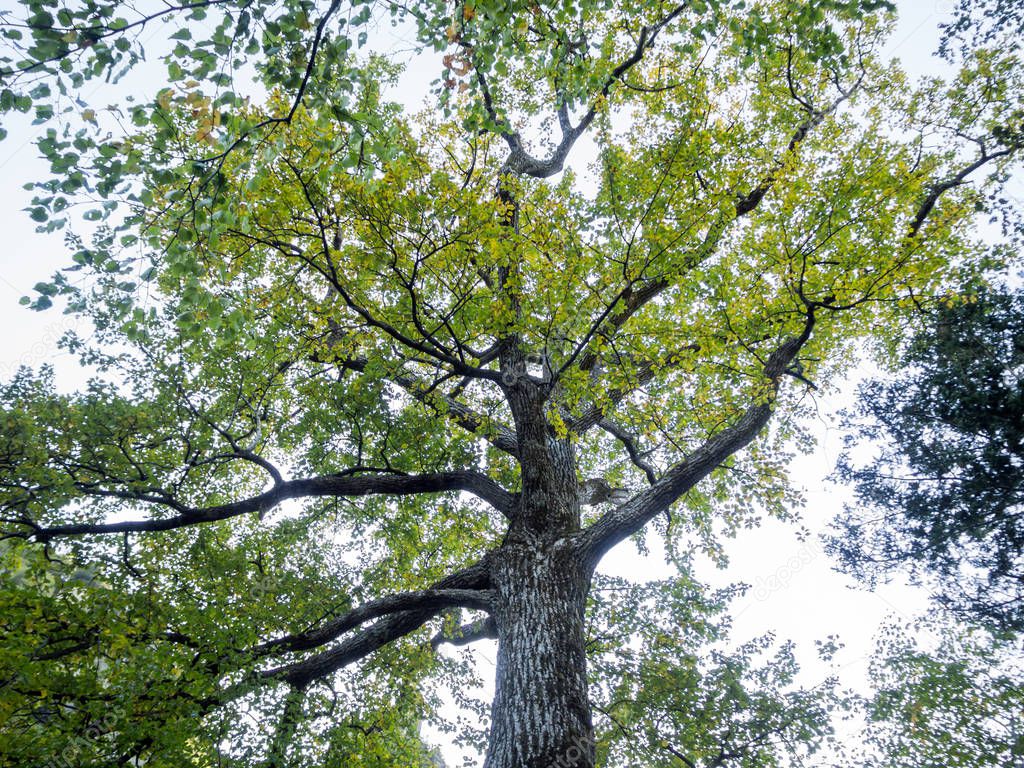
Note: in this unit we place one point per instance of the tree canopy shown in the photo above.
(984, 23)
(369, 382)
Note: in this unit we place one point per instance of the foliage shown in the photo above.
(944, 496)
(215, 49)
(351, 365)
(669, 690)
(984, 23)
(955, 704)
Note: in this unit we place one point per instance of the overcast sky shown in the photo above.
(794, 590)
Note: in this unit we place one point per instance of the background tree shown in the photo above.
(943, 498)
(669, 693)
(367, 384)
(982, 23)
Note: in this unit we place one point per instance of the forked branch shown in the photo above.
(384, 631)
(522, 163)
(426, 599)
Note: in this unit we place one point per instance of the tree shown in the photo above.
(364, 379)
(684, 700)
(944, 497)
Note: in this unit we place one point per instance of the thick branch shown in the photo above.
(328, 485)
(498, 435)
(426, 599)
(635, 513)
(629, 518)
(381, 633)
(940, 188)
(629, 302)
(284, 731)
(594, 413)
(520, 161)
(483, 629)
(815, 117)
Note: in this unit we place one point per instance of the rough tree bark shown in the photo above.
(540, 715)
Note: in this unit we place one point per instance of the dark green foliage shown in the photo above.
(944, 498)
(983, 23)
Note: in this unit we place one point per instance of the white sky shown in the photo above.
(795, 591)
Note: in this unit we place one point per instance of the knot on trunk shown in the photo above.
(597, 490)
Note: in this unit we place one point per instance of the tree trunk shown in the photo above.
(540, 717)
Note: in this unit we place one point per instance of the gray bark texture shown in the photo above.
(540, 715)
